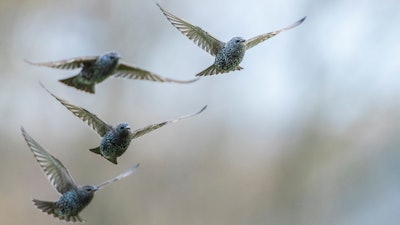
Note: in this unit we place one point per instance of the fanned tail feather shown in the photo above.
(49, 208)
(74, 219)
(78, 84)
(211, 70)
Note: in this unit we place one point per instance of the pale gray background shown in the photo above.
(308, 133)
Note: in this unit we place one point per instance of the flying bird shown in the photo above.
(115, 140)
(228, 55)
(73, 198)
(95, 69)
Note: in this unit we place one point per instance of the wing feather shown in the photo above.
(139, 132)
(263, 37)
(199, 36)
(119, 177)
(89, 118)
(55, 171)
(67, 64)
(131, 72)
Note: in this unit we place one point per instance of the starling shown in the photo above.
(115, 140)
(73, 198)
(227, 55)
(96, 69)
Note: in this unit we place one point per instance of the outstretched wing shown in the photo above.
(260, 38)
(67, 64)
(199, 36)
(119, 177)
(91, 119)
(147, 129)
(55, 171)
(131, 72)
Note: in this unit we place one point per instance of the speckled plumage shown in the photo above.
(231, 54)
(115, 140)
(73, 198)
(95, 69)
(114, 143)
(228, 55)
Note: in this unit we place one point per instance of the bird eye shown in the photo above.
(88, 189)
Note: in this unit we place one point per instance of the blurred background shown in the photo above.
(308, 133)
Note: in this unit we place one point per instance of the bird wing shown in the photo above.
(139, 132)
(91, 119)
(211, 70)
(199, 36)
(67, 64)
(119, 177)
(56, 172)
(131, 72)
(260, 38)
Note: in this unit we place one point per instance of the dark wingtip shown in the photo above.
(202, 109)
(302, 20)
(295, 24)
(41, 84)
(29, 62)
(44, 87)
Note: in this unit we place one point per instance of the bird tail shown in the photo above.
(209, 71)
(50, 208)
(112, 159)
(95, 150)
(77, 83)
(47, 207)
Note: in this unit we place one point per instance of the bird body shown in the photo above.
(228, 55)
(93, 73)
(95, 69)
(231, 54)
(73, 198)
(115, 140)
(69, 205)
(114, 143)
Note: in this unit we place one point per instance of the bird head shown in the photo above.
(89, 189)
(113, 55)
(237, 40)
(123, 128)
